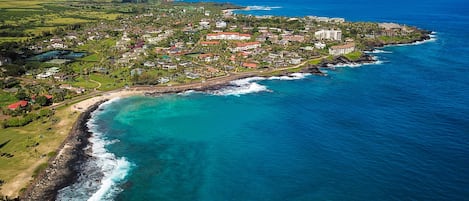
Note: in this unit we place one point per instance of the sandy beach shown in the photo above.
(84, 105)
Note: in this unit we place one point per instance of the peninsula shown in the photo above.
(58, 61)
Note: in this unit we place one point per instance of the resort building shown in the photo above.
(328, 35)
(342, 49)
(228, 36)
(246, 46)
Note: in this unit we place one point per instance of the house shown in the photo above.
(43, 75)
(149, 64)
(246, 46)
(212, 70)
(205, 24)
(220, 24)
(58, 46)
(319, 45)
(208, 57)
(170, 66)
(342, 49)
(70, 87)
(62, 77)
(48, 97)
(249, 65)
(328, 34)
(228, 36)
(294, 38)
(17, 105)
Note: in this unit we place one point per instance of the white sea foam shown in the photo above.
(242, 86)
(355, 65)
(249, 85)
(187, 93)
(378, 51)
(102, 174)
(293, 76)
(433, 38)
(262, 7)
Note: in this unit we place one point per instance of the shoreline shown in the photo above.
(63, 169)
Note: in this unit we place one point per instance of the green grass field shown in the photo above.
(33, 18)
(90, 58)
(354, 55)
(12, 39)
(21, 4)
(6, 99)
(30, 147)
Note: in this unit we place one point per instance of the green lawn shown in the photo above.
(90, 58)
(6, 99)
(107, 83)
(12, 39)
(30, 146)
(315, 61)
(66, 20)
(82, 82)
(354, 55)
(21, 4)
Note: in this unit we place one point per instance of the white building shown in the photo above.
(246, 46)
(295, 61)
(342, 49)
(228, 36)
(58, 45)
(220, 24)
(328, 34)
(319, 45)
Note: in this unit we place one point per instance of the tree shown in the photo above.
(42, 101)
(13, 70)
(21, 95)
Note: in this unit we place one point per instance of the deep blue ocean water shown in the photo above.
(398, 130)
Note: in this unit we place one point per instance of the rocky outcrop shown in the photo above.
(63, 169)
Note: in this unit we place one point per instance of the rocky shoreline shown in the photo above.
(64, 168)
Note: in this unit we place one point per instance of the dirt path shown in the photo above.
(99, 84)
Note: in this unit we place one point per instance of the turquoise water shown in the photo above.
(397, 130)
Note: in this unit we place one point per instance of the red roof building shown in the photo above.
(18, 104)
(249, 65)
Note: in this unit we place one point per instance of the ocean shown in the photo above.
(394, 130)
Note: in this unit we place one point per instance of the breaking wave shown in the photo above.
(378, 51)
(294, 76)
(102, 174)
(433, 38)
(249, 85)
(240, 87)
(262, 7)
(355, 65)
